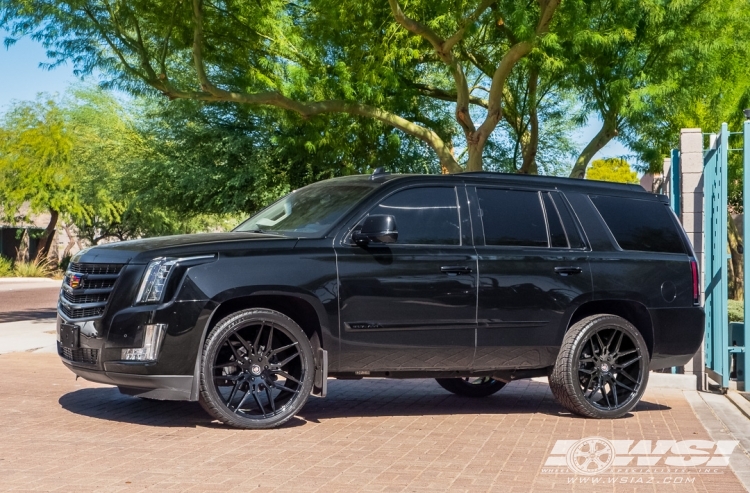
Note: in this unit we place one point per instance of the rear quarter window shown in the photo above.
(641, 225)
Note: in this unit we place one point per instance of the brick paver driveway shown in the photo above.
(379, 435)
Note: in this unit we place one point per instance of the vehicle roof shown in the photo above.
(586, 186)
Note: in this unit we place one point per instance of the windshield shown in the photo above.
(310, 211)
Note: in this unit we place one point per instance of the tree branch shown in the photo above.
(442, 94)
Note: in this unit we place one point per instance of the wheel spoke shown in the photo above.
(627, 375)
(630, 362)
(606, 397)
(256, 345)
(290, 358)
(284, 348)
(601, 344)
(619, 343)
(285, 389)
(288, 376)
(244, 343)
(587, 372)
(244, 398)
(237, 356)
(269, 394)
(270, 339)
(232, 393)
(257, 401)
(624, 386)
(614, 393)
(627, 353)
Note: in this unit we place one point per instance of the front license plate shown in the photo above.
(69, 335)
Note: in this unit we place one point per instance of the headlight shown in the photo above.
(156, 276)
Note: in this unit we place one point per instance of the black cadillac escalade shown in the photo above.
(474, 279)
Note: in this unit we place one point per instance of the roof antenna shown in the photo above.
(379, 171)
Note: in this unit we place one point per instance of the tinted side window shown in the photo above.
(424, 216)
(574, 236)
(636, 224)
(512, 218)
(556, 232)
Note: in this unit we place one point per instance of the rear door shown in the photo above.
(532, 268)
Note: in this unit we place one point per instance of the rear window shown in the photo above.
(643, 225)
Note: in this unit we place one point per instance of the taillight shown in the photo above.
(696, 282)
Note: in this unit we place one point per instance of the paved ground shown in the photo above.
(59, 434)
(62, 434)
(25, 299)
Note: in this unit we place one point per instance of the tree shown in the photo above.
(612, 169)
(274, 54)
(35, 164)
(642, 67)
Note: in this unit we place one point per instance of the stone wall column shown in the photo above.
(691, 207)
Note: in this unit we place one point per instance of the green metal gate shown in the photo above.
(719, 346)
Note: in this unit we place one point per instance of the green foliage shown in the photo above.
(736, 310)
(35, 160)
(6, 267)
(35, 268)
(612, 169)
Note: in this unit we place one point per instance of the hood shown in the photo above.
(144, 250)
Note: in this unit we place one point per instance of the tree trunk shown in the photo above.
(601, 139)
(735, 268)
(22, 252)
(71, 241)
(529, 167)
(45, 241)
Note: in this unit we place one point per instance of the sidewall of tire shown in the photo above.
(209, 397)
(564, 378)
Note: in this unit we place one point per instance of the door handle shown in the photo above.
(568, 271)
(456, 269)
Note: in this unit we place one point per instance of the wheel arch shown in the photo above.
(302, 307)
(633, 311)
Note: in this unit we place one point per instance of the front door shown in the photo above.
(532, 272)
(411, 305)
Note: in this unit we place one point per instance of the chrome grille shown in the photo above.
(95, 268)
(81, 312)
(86, 289)
(85, 298)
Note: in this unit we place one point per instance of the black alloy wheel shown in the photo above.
(602, 368)
(471, 386)
(257, 369)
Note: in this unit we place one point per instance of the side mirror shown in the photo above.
(376, 229)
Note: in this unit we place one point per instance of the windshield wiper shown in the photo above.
(258, 230)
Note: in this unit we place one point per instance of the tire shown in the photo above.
(602, 368)
(241, 379)
(471, 387)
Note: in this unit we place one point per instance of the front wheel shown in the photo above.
(471, 387)
(257, 369)
(602, 368)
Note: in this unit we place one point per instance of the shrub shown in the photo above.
(38, 267)
(736, 311)
(6, 267)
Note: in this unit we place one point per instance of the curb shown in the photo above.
(672, 381)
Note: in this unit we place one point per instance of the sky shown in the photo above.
(21, 78)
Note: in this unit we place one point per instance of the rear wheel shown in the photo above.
(602, 368)
(472, 386)
(257, 369)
